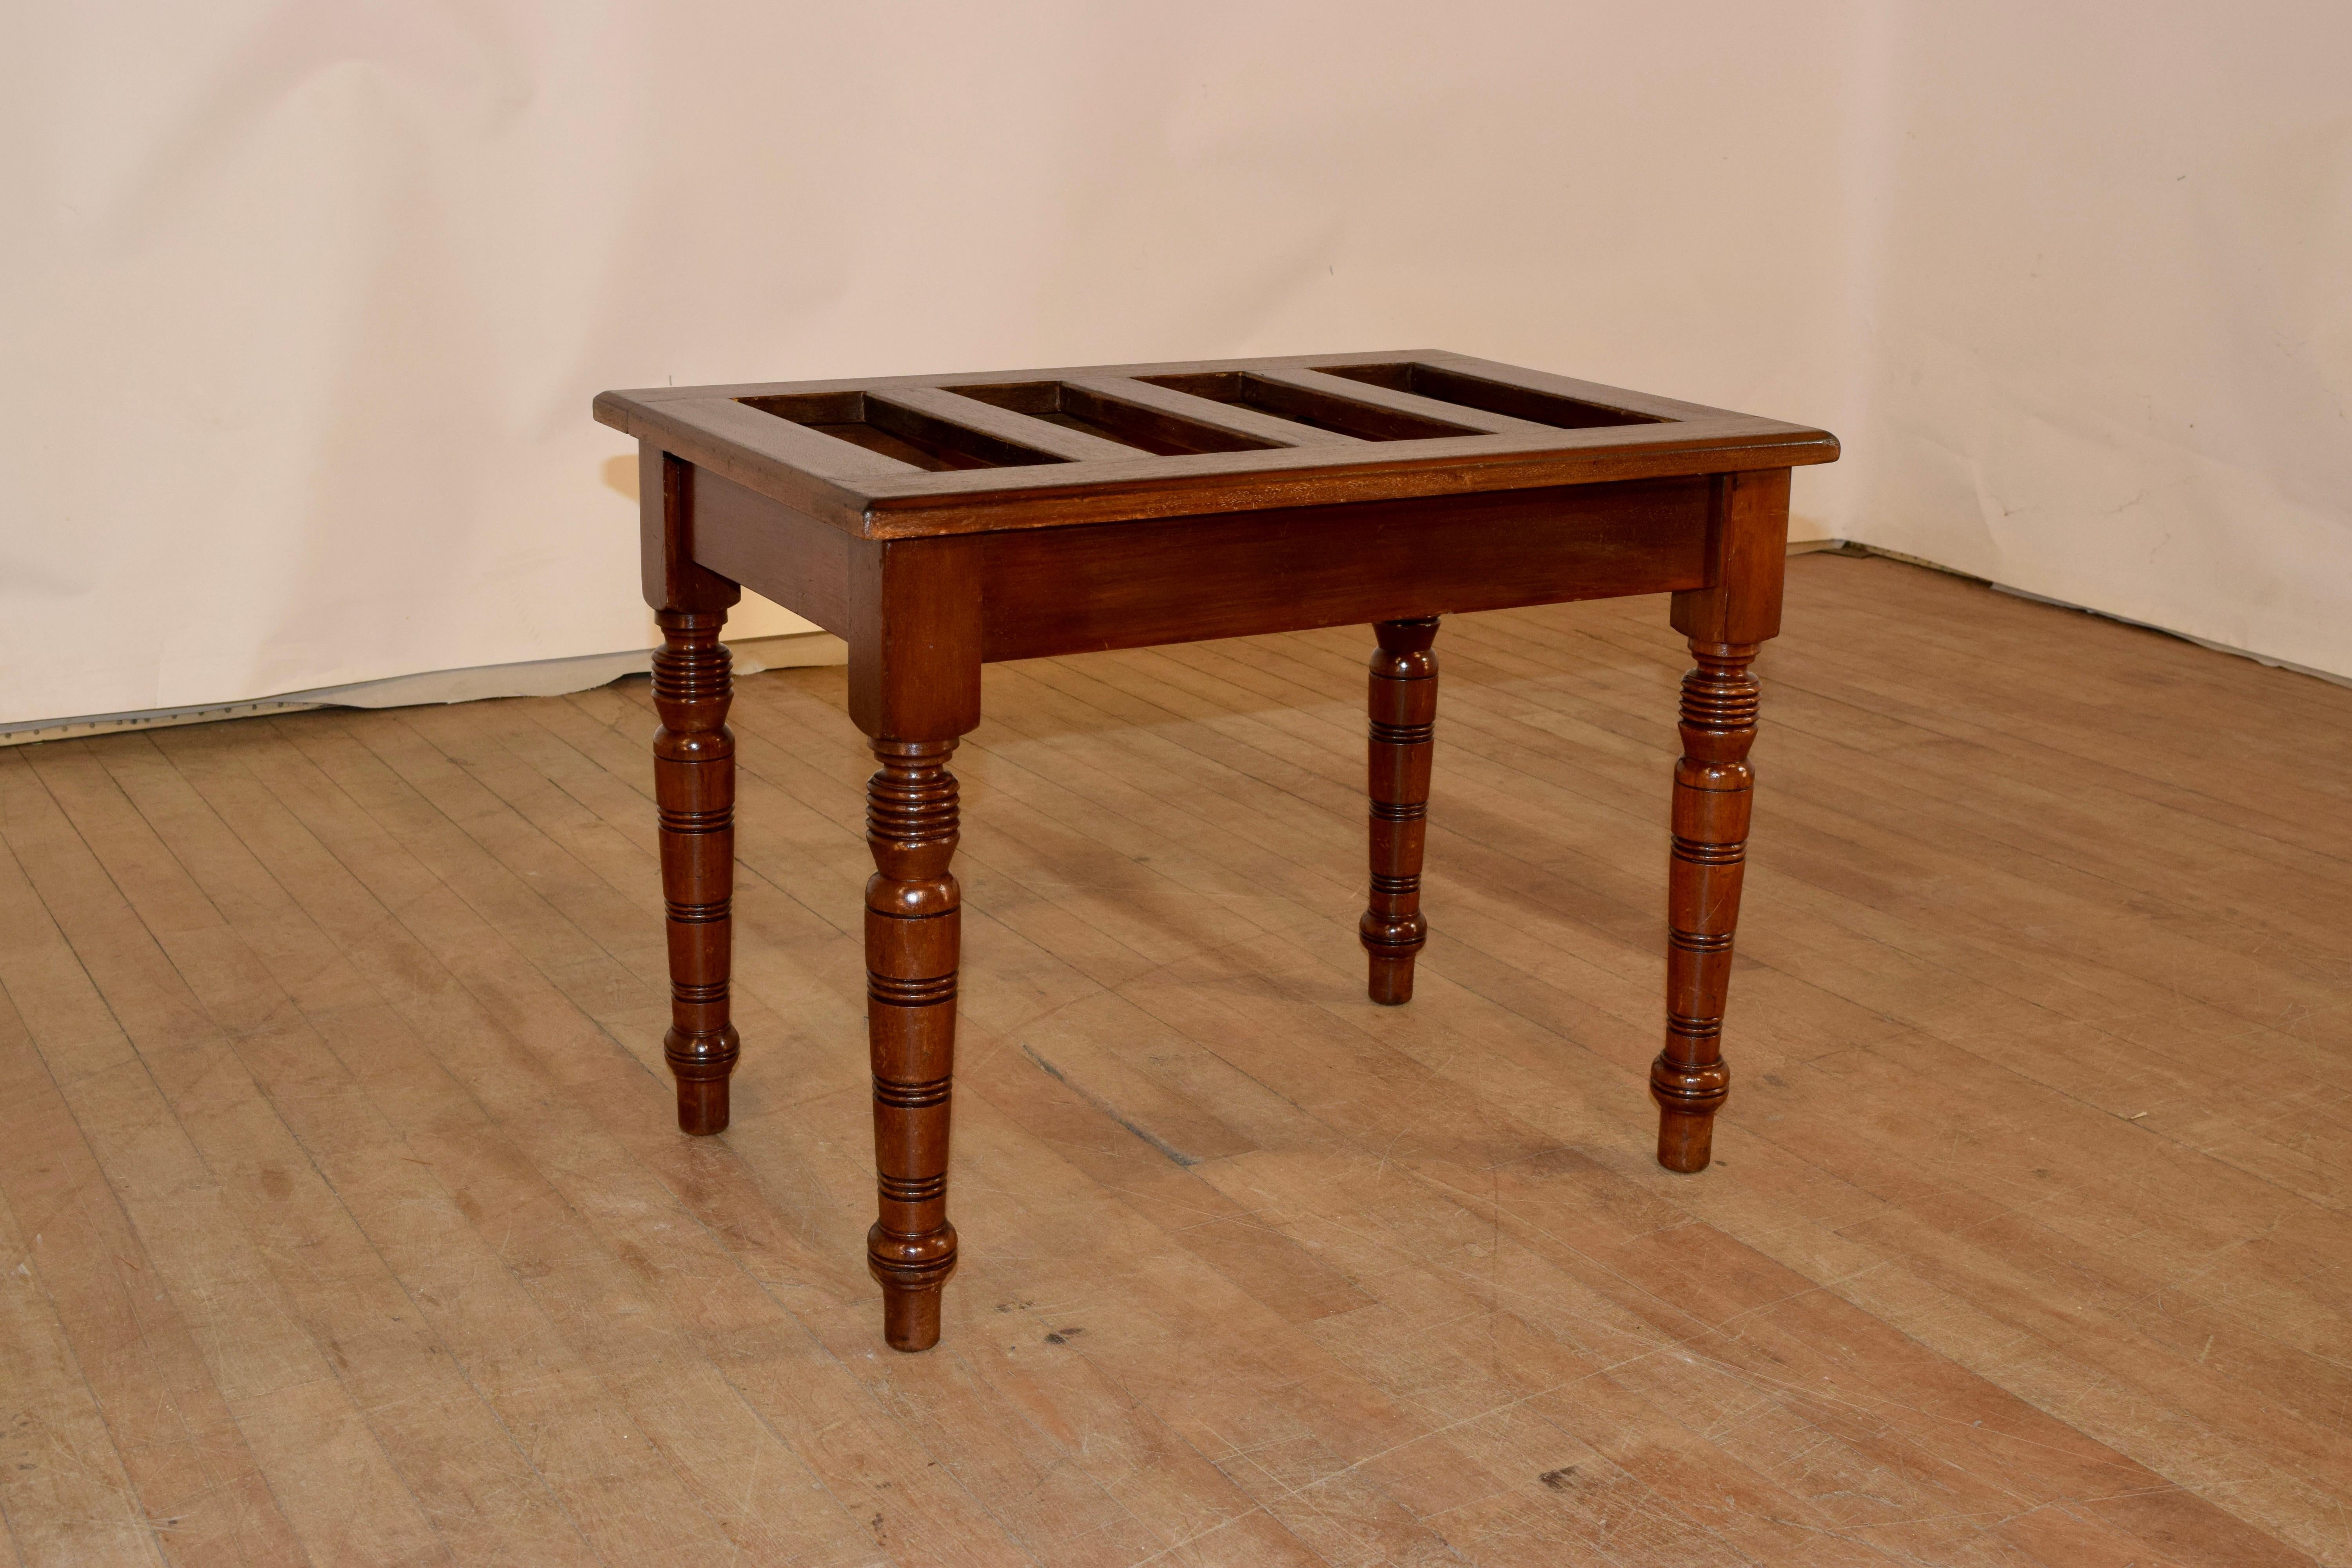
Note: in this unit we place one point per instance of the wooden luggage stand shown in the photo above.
(938, 522)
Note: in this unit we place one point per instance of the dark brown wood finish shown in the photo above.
(938, 522)
(876, 495)
(1138, 585)
(914, 688)
(694, 789)
(1403, 706)
(1726, 624)
(913, 941)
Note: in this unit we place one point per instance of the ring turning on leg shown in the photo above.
(913, 934)
(1713, 786)
(1403, 707)
(694, 786)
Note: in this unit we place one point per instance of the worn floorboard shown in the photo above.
(342, 1219)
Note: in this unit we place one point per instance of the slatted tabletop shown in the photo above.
(906, 457)
(940, 522)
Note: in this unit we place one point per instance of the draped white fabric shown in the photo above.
(305, 300)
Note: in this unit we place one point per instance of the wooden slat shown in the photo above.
(1564, 385)
(979, 499)
(1003, 425)
(1609, 396)
(1477, 419)
(874, 497)
(1228, 417)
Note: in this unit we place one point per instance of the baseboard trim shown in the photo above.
(537, 678)
(554, 677)
(1853, 547)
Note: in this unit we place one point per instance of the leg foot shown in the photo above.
(1686, 1143)
(1687, 1101)
(694, 786)
(910, 1319)
(1402, 701)
(1713, 787)
(702, 1104)
(1391, 981)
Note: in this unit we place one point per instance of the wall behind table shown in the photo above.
(2109, 303)
(306, 302)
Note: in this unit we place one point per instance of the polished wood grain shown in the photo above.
(766, 436)
(1402, 701)
(348, 1224)
(1137, 584)
(1727, 623)
(1178, 502)
(694, 792)
(913, 940)
(1714, 787)
(914, 688)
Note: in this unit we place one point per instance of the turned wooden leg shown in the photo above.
(694, 786)
(913, 928)
(1712, 793)
(1403, 705)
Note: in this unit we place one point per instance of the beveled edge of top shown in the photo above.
(873, 496)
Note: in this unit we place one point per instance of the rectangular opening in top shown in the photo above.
(1130, 424)
(906, 434)
(1301, 407)
(1441, 385)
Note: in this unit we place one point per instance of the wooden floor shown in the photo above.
(344, 1221)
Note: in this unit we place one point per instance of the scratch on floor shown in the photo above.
(1099, 1103)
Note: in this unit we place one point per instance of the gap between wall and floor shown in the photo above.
(1850, 547)
(539, 678)
(554, 677)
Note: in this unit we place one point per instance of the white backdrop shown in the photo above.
(306, 302)
(2108, 283)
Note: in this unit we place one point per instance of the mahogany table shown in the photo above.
(938, 522)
